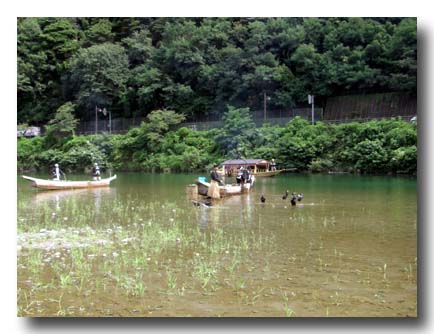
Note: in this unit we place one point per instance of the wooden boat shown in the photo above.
(257, 167)
(268, 172)
(226, 190)
(59, 185)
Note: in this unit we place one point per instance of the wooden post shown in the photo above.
(192, 191)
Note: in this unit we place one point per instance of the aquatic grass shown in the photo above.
(24, 300)
(409, 270)
(139, 289)
(254, 298)
(61, 310)
(65, 280)
(289, 312)
(203, 271)
(239, 283)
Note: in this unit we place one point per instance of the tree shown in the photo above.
(99, 32)
(98, 76)
(62, 126)
(139, 47)
(199, 65)
(238, 132)
(159, 122)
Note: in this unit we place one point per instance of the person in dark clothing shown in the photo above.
(239, 177)
(213, 190)
(245, 177)
(215, 176)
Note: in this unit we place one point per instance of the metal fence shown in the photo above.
(367, 119)
(339, 109)
(122, 125)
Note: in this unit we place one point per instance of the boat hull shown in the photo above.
(268, 173)
(226, 190)
(60, 185)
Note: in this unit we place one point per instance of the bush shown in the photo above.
(28, 150)
(372, 147)
(404, 160)
(371, 156)
(321, 165)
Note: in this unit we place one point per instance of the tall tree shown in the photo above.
(98, 76)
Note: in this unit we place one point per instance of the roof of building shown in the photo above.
(245, 162)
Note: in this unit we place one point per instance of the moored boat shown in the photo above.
(268, 172)
(257, 167)
(225, 190)
(58, 185)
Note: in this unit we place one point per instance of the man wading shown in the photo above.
(213, 190)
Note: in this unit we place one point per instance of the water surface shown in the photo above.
(141, 248)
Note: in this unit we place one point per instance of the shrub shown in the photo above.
(371, 156)
(321, 165)
(404, 159)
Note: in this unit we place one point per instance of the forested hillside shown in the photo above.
(198, 66)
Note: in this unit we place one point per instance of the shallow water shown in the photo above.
(141, 248)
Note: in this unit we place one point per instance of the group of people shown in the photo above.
(243, 175)
(57, 172)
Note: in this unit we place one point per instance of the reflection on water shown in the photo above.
(58, 195)
(141, 247)
(61, 197)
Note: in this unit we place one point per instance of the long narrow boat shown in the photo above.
(268, 173)
(58, 185)
(226, 190)
(257, 167)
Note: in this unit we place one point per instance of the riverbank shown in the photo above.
(376, 147)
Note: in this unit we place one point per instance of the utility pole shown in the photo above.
(311, 100)
(110, 121)
(104, 111)
(265, 106)
(96, 119)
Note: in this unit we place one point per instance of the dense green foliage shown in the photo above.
(62, 126)
(196, 66)
(385, 146)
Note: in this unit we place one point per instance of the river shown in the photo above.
(140, 248)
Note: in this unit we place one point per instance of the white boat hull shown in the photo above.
(226, 190)
(59, 185)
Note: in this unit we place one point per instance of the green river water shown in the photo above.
(140, 248)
